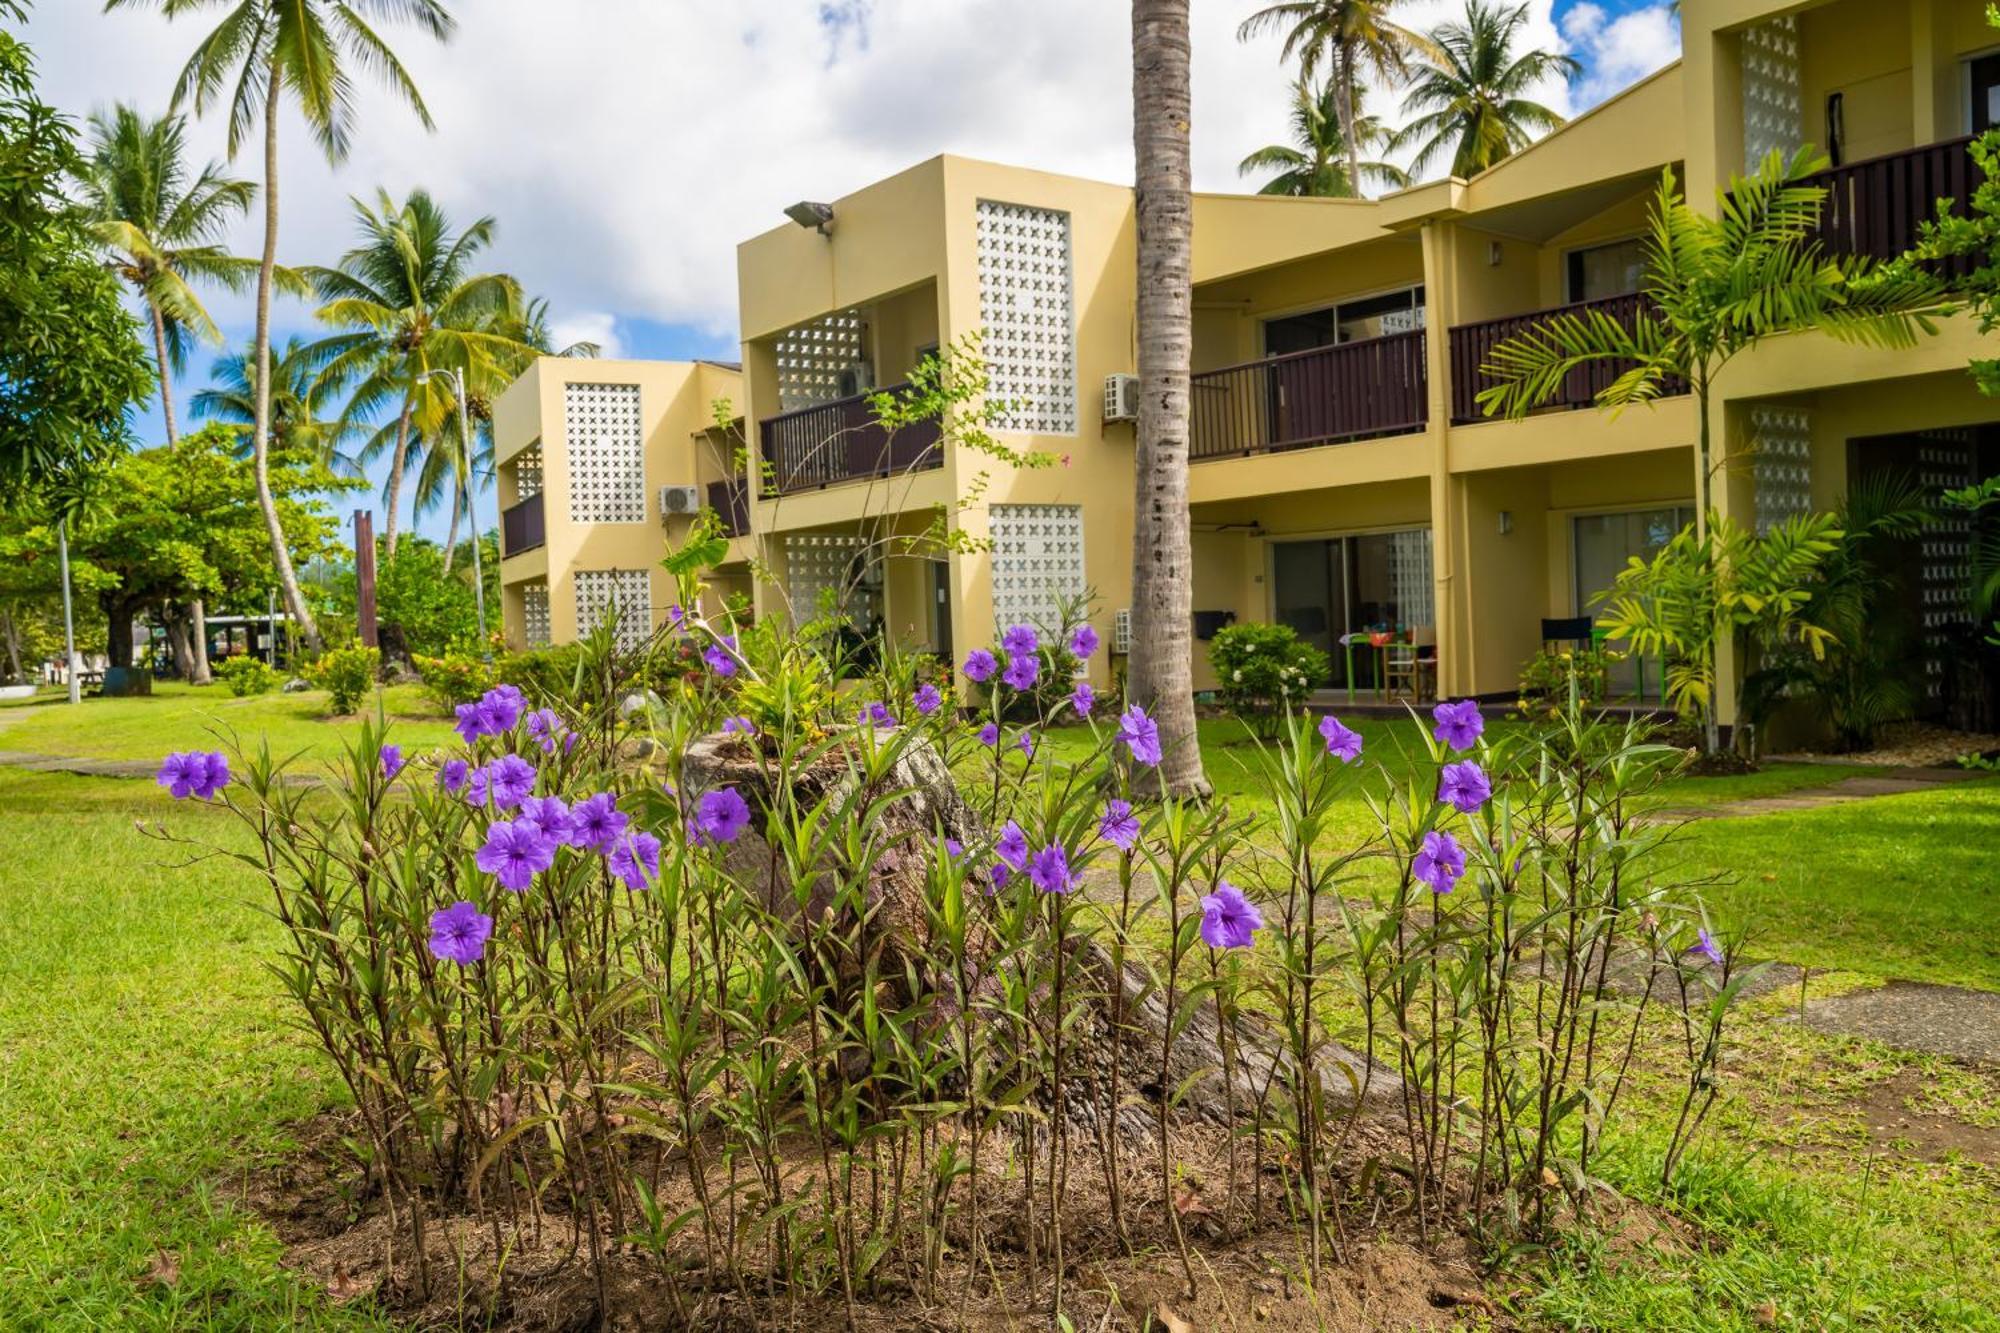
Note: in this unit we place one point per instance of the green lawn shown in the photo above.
(180, 717)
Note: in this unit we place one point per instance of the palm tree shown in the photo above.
(1160, 671)
(1354, 36)
(1315, 163)
(259, 50)
(410, 304)
(1468, 95)
(1715, 287)
(299, 421)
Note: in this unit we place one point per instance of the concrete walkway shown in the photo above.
(1889, 782)
(90, 768)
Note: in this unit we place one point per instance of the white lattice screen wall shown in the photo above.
(1037, 563)
(630, 590)
(811, 356)
(1025, 308)
(535, 614)
(1781, 444)
(815, 563)
(1410, 580)
(1771, 105)
(1944, 462)
(528, 473)
(605, 446)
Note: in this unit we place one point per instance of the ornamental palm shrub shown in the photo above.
(742, 985)
(1264, 671)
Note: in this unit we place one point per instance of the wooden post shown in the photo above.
(364, 578)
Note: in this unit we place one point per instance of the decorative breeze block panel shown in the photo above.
(1781, 463)
(605, 445)
(535, 614)
(1037, 563)
(628, 590)
(1945, 461)
(1772, 115)
(815, 563)
(1026, 309)
(1410, 579)
(528, 473)
(811, 357)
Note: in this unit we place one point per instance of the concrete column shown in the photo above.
(1936, 109)
(1440, 242)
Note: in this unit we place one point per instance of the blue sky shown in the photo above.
(626, 146)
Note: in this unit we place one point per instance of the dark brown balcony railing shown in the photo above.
(1326, 395)
(1876, 207)
(521, 526)
(731, 502)
(830, 443)
(1472, 345)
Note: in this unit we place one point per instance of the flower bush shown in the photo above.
(246, 675)
(453, 679)
(806, 986)
(348, 674)
(1263, 670)
(1552, 678)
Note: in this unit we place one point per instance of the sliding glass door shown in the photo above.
(1370, 582)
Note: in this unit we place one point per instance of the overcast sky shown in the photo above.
(626, 146)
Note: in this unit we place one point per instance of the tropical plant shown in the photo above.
(1715, 287)
(246, 674)
(257, 52)
(1265, 672)
(1355, 37)
(1468, 92)
(1555, 680)
(1160, 670)
(300, 422)
(409, 303)
(1722, 582)
(1315, 163)
(1983, 569)
(347, 675)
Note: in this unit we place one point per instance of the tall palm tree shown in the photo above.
(410, 303)
(1355, 37)
(1467, 94)
(163, 229)
(299, 420)
(258, 51)
(1160, 671)
(1314, 164)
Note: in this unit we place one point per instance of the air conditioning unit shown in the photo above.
(679, 500)
(1121, 631)
(1121, 398)
(857, 379)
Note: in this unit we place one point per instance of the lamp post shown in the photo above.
(466, 492)
(69, 621)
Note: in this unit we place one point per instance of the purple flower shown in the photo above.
(989, 734)
(1342, 741)
(1001, 872)
(979, 665)
(453, 775)
(392, 762)
(544, 727)
(675, 616)
(1119, 827)
(515, 853)
(1140, 734)
(927, 698)
(878, 714)
(459, 933)
(215, 774)
(551, 816)
(1083, 698)
(720, 662)
(636, 859)
(500, 708)
(1083, 642)
(505, 782)
(1439, 861)
(1228, 919)
(953, 847)
(1025, 743)
(738, 726)
(179, 773)
(1012, 847)
(471, 724)
(1458, 723)
(596, 823)
(1050, 871)
(721, 815)
(1464, 787)
(1706, 946)
(1020, 641)
(1023, 669)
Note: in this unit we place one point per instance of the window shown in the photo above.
(1984, 79)
(1346, 322)
(1603, 544)
(1616, 269)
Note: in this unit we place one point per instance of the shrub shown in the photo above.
(348, 674)
(1264, 670)
(453, 679)
(1548, 677)
(246, 675)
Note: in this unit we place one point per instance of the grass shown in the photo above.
(179, 717)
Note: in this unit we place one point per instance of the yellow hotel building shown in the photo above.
(1342, 476)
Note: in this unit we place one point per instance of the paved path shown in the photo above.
(91, 768)
(1889, 782)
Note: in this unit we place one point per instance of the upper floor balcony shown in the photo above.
(1877, 207)
(1472, 347)
(827, 444)
(1324, 395)
(521, 526)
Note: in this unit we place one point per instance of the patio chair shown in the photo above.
(1410, 665)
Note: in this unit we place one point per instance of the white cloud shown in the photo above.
(1619, 51)
(592, 326)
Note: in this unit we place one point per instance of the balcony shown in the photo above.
(1877, 207)
(830, 443)
(731, 502)
(1473, 344)
(1327, 395)
(521, 526)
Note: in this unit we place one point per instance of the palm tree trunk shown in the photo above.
(394, 500)
(281, 556)
(1345, 62)
(1160, 672)
(166, 381)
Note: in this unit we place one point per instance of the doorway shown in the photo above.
(1367, 582)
